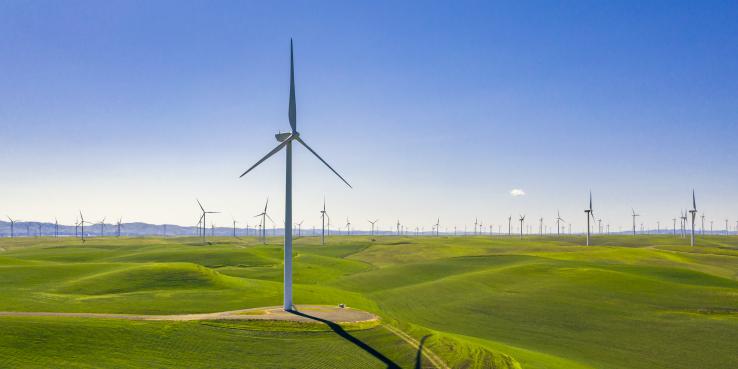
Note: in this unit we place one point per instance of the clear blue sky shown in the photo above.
(134, 109)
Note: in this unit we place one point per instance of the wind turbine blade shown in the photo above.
(267, 156)
(293, 106)
(694, 202)
(321, 159)
(270, 218)
(198, 203)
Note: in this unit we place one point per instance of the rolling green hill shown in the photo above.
(476, 302)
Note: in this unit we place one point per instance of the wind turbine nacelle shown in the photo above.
(281, 137)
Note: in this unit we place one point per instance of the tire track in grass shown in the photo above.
(427, 353)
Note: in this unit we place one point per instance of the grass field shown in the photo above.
(480, 302)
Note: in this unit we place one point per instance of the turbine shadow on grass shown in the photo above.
(345, 335)
(419, 355)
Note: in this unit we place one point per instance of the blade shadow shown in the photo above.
(348, 337)
(419, 354)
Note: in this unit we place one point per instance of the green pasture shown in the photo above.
(477, 302)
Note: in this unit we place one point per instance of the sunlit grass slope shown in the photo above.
(498, 302)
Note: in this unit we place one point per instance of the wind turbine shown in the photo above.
(684, 224)
(693, 211)
(285, 141)
(475, 226)
(299, 228)
(634, 215)
(674, 220)
(726, 227)
(323, 215)
(102, 227)
(509, 225)
(12, 227)
(599, 226)
(263, 216)
(522, 219)
(438, 225)
(398, 227)
(372, 222)
(234, 227)
(540, 226)
(56, 228)
(203, 219)
(82, 225)
(558, 220)
(348, 227)
(703, 223)
(119, 221)
(589, 213)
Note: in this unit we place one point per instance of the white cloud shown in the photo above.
(515, 192)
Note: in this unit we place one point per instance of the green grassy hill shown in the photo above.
(480, 302)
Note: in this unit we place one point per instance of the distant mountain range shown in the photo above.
(139, 229)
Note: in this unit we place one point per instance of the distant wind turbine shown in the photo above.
(590, 213)
(634, 215)
(203, 218)
(693, 211)
(323, 216)
(540, 226)
(522, 219)
(12, 227)
(102, 227)
(558, 222)
(264, 215)
(372, 223)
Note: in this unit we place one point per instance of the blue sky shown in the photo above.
(133, 109)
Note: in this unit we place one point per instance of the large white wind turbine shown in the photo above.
(285, 141)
